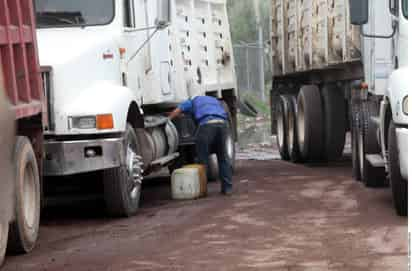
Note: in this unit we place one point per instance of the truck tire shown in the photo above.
(230, 146)
(293, 143)
(24, 230)
(310, 123)
(213, 169)
(368, 144)
(398, 184)
(230, 149)
(355, 123)
(122, 185)
(4, 232)
(281, 124)
(335, 121)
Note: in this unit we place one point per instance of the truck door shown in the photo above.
(135, 61)
(161, 60)
(378, 53)
(402, 41)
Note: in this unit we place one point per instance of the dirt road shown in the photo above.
(281, 217)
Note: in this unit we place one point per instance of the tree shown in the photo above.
(243, 21)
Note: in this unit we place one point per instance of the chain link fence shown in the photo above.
(249, 69)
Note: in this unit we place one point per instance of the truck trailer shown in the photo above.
(111, 73)
(332, 76)
(22, 119)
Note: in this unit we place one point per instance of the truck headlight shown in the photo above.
(99, 122)
(84, 122)
(405, 105)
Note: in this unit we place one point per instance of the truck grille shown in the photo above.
(46, 76)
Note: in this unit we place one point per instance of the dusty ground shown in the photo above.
(281, 217)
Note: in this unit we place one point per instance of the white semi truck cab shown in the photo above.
(383, 117)
(112, 71)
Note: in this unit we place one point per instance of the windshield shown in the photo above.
(405, 8)
(62, 13)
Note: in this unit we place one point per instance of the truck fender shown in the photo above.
(104, 98)
(384, 121)
(398, 86)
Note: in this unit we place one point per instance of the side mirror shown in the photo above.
(359, 12)
(163, 14)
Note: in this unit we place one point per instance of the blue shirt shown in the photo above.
(213, 110)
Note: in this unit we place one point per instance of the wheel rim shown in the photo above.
(29, 196)
(291, 131)
(229, 146)
(355, 154)
(360, 154)
(280, 126)
(301, 125)
(134, 171)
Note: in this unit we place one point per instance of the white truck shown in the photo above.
(381, 119)
(331, 77)
(113, 69)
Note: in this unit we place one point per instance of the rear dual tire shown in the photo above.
(335, 121)
(230, 144)
(368, 144)
(230, 151)
(287, 138)
(310, 123)
(230, 148)
(311, 127)
(292, 135)
(282, 109)
(355, 126)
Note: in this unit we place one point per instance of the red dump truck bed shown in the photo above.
(20, 80)
(19, 64)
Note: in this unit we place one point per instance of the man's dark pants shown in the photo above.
(213, 137)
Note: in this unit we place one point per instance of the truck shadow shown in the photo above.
(74, 199)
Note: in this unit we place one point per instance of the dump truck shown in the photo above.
(22, 120)
(332, 77)
(113, 71)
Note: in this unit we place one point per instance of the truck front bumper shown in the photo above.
(402, 137)
(81, 156)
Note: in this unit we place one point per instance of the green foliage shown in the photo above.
(242, 19)
(262, 107)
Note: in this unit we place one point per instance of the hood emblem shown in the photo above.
(108, 55)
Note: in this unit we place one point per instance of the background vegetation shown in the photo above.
(242, 17)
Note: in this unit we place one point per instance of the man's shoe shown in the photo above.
(227, 192)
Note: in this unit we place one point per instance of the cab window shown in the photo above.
(405, 8)
(63, 13)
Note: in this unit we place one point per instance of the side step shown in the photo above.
(164, 160)
(376, 160)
